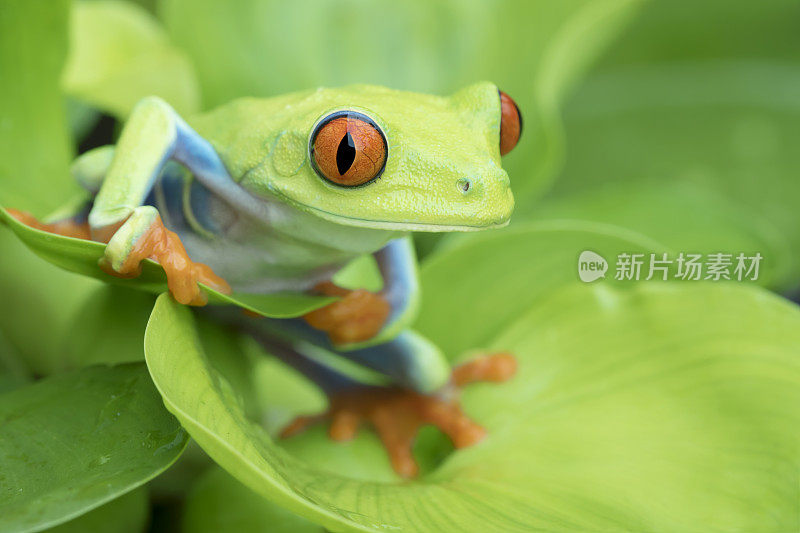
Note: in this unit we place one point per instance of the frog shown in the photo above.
(274, 194)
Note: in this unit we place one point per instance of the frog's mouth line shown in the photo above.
(397, 226)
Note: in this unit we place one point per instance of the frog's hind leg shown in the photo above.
(396, 411)
(331, 381)
(409, 360)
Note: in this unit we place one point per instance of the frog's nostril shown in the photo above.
(464, 185)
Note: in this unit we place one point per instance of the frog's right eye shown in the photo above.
(510, 123)
(348, 149)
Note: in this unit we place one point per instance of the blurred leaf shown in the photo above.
(13, 372)
(688, 216)
(119, 54)
(360, 273)
(34, 148)
(171, 486)
(75, 441)
(36, 297)
(126, 514)
(109, 327)
(34, 176)
(507, 272)
(218, 502)
(534, 50)
(709, 102)
(81, 256)
(637, 407)
(717, 29)
(281, 392)
(82, 118)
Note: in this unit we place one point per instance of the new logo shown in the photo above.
(591, 266)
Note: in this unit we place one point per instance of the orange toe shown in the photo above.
(397, 414)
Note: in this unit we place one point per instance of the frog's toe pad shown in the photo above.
(397, 414)
(183, 275)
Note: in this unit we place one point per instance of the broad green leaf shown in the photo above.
(534, 50)
(37, 297)
(81, 256)
(118, 54)
(706, 101)
(637, 407)
(78, 440)
(34, 147)
(218, 502)
(34, 157)
(657, 407)
(506, 272)
(108, 328)
(126, 514)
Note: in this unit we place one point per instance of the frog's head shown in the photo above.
(373, 157)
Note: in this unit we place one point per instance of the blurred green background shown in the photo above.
(676, 121)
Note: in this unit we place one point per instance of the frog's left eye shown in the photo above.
(348, 148)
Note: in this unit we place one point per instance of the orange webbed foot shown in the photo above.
(358, 316)
(397, 414)
(183, 275)
(158, 243)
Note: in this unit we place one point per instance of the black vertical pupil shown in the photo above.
(345, 154)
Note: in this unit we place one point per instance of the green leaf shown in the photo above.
(637, 407)
(218, 502)
(126, 514)
(81, 256)
(36, 296)
(118, 54)
(534, 50)
(34, 156)
(108, 328)
(507, 272)
(687, 216)
(34, 147)
(706, 101)
(13, 372)
(360, 273)
(78, 440)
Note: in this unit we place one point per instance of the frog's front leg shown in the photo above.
(153, 135)
(361, 316)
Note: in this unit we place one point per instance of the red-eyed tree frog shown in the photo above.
(278, 194)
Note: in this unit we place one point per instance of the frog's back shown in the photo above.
(242, 130)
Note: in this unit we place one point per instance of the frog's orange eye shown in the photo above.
(348, 148)
(510, 123)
